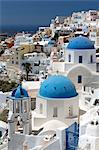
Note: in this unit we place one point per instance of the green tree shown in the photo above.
(27, 68)
(6, 86)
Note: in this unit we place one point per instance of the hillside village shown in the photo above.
(49, 86)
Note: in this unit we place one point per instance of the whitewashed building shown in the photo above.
(79, 62)
(57, 107)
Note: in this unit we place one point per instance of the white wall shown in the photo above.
(89, 142)
(58, 66)
(53, 146)
(86, 58)
(74, 103)
(65, 66)
(86, 74)
(67, 53)
(62, 109)
(16, 142)
(51, 104)
(33, 141)
(61, 134)
(44, 103)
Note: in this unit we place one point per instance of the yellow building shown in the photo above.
(18, 53)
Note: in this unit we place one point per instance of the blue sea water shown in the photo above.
(35, 13)
(11, 30)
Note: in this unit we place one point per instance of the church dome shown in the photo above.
(80, 42)
(19, 92)
(57, 86)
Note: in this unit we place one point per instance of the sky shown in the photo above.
(40, 12)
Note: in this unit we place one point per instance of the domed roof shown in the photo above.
(19, 92)
(80, 42)
(57, 86)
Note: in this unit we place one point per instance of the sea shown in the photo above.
(12, 30)
(40, 11)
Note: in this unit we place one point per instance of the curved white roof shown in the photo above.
(52, 125)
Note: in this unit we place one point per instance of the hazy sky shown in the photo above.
(40, 12)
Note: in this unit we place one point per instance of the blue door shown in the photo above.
(72, 137)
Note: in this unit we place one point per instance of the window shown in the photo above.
(79, 79)
(70, 111)
(33, 103)
(92, 91)
(55, 112)
(17, 62)
(17, 107)
(84, 88)
(80, 59)
(25, 106)
(12, 62)
(91, 59)
(69, 58)
(41, 108)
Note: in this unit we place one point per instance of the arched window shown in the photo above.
(55, 112)
(69, 58)
(41, 108)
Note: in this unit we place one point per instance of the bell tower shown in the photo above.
(19, 118)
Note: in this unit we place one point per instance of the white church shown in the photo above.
(58, 103)
(79, 62)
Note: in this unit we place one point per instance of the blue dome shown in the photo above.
(57, 86)
(19, 92)
(80, 42)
